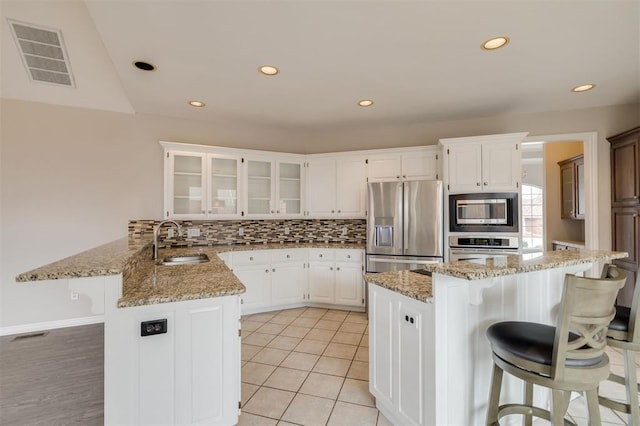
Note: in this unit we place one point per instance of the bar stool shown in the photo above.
(624, 333)
(568, 357)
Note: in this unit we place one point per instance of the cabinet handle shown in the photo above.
(477, 183)
(485, 184)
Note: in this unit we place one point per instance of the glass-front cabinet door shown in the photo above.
(187, 185)
(224, 177)
(259, 187)
(289, 189)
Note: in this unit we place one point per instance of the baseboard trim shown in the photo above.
(50, 325)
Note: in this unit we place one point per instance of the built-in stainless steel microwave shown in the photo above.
(484, 212)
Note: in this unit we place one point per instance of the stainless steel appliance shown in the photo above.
(484, 212)
(404, 225)
(478, 247)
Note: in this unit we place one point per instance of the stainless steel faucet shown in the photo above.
(157, 231)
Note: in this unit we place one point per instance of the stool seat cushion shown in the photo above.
(531, 341)
(621, 321)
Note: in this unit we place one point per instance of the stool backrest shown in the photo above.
(586, 310)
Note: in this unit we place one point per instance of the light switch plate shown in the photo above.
(193, 232)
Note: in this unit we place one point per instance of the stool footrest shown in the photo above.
(614, 405)
(528, 410)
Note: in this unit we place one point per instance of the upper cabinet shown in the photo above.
(625, 168)
(201, 185)
(420, 164)
(336, 187)
(274, 187)
(483, 163)
(572, 188)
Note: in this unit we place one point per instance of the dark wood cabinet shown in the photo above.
(625, 204)
(572, 188)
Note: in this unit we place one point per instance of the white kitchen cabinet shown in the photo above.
(384, 167)
(288, 276)
(336, 187)
(253, 269)
(201, 186)
(274, 187)
(188, 375)
(321, 282)
(348, 287)
(399, 331)
(335, 277)
(483, 163)
(405, 165)
(321, 187)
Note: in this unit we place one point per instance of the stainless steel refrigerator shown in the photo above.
(404, 225)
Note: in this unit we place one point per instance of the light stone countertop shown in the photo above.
(410, 284)
(517, 264)
(147, 283)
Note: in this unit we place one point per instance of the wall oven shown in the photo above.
(484, 212)
(478, 248)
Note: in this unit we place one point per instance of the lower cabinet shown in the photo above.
(188, 375)
(284, 277)
(399, 329)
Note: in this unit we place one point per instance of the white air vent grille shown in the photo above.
(43, 53)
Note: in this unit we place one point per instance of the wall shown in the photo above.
(70, 179)
(555, 227)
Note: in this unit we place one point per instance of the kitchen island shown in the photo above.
(429, 360)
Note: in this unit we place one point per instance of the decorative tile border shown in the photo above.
(216, 232)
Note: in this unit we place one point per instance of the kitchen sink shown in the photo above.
(189, 259)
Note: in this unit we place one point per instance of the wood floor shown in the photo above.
(53, 379)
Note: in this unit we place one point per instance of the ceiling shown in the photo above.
(420, 61)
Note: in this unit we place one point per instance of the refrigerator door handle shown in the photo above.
(405, 217)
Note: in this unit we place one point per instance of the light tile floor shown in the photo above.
(309, 366)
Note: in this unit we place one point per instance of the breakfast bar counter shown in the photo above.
(429, 360)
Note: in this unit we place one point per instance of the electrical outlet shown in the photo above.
(241, 231)
(171, 233)
(193, 232)
(286, 230)
(74, 295)
(344, 230)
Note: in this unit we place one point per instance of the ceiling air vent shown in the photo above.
(43, 53)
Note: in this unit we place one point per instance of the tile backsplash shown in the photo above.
(215, 232)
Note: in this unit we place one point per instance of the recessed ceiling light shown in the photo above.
(495, 43)
(365, 102)
(144, 66)
(583, 88)
(269, 70)
(197, 104)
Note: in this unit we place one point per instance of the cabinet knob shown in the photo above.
(277, 211)
(251, 258)
(319, 255)
(209, 211)
(288, 256)
(477, 183)
(485, 184)
(348, 256)
(266, 270)
(273, 270)
(203, 212)
(331, 268)
(271, 211)
(332, 211)
(398, 177)
(339, 211)
(338, 268)
(404, 176)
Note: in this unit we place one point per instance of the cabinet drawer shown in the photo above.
(288, 255)
(320, 254)
(251, 257)
(348, 255)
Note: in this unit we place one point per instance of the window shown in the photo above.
(532, 218)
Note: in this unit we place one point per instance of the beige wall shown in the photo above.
(71, 178)
(555, 227)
